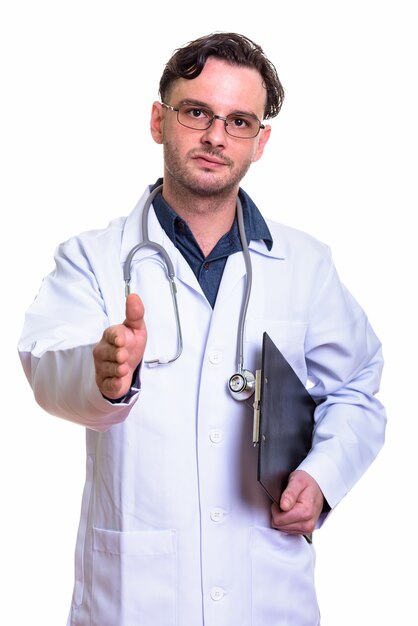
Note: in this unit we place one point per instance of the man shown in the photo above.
(175, 529)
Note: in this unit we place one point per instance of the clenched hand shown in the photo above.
(301, 504)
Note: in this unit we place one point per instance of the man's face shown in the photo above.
(211, 162)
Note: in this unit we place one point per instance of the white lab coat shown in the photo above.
(174, 529)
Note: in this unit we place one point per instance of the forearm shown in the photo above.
(349, 432)
(63, 382)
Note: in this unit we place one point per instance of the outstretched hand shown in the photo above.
(301, 505)
(120, 351)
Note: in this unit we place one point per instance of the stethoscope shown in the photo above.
(241, 384)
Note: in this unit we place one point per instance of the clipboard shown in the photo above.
(283, 420)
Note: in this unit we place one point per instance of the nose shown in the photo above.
(216, 134)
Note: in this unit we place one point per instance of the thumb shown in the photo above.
(134, 312)
(287, 500)
(289, 496)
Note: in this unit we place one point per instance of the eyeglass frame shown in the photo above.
(215, 117)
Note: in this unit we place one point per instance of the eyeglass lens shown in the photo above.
(200, 118)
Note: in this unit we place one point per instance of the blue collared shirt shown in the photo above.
(208, 270)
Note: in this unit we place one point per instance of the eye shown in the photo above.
(241, 121)
(197, 113)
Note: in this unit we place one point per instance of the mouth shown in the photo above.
(209, 161)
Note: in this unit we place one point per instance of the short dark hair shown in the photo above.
(189, 60)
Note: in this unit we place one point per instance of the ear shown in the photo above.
(157, 122)
(263, 139)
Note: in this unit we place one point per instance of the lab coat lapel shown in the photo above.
(235, 269)
(234, 272)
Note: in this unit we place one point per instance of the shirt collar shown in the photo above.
(255, 226)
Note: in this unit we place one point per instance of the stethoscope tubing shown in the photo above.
(147, 243)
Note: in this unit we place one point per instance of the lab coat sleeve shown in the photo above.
(61, 328)
(344, 360)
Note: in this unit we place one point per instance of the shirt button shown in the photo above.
(216, 436)
(217, 593)
(217, 515)
(215, 357)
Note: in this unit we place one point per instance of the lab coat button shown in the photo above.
(217, 515)
(217, 593)
(216, 436)
(215, 357)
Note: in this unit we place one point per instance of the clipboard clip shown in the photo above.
(256, 408)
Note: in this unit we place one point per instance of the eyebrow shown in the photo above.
(205, 105)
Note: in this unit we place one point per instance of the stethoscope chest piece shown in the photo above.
(242, 385)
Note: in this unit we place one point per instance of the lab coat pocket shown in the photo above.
(283, 590)
(134, 578)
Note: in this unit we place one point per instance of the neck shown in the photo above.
(208, 217)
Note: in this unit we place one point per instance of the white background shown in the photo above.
(77, 82)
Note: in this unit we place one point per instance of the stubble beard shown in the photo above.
(208, 186)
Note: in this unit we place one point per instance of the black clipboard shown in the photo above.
(283, 420)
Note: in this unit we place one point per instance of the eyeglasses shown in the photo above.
(241, 125)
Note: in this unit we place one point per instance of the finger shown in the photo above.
(113, 338)
(112, 387)
(288, 499)
(294, 523)
(106, 352)
(111, 369)
(134, 312)
(282, 518)
(298, 529)
(293, 491)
